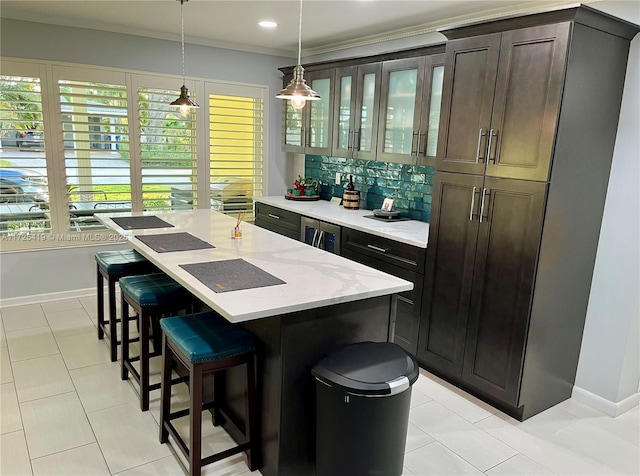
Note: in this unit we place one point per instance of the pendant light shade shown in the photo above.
(183, 101)
(297, 91)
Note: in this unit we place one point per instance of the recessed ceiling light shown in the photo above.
(268, 24)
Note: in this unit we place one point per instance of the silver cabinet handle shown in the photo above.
(320, 236)
(356, 142)
(313, 240)
(492, 134)
(481, 134)
(377, 248)
(414, 150)
(473, 201)
(276, 217)
(484, 192)
(350, 139)
(418, 152)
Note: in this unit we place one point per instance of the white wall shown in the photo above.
(60, 270)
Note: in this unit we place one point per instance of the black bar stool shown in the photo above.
(207, 343)
(151, 296)
(113, 265)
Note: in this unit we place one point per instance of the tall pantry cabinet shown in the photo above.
(529, 117)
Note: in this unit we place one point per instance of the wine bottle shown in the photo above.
(350, 185)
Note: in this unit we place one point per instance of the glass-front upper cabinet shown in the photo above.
(356, 110)
(409, 109)
(309, 129)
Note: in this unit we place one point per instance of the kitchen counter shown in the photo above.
(411, 232)
(302, 267)
(326, 302)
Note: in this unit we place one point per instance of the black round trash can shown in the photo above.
(363, 395)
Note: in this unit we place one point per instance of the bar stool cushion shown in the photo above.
(121, 262)
(154, 290)
(207, 337)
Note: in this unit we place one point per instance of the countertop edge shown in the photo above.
(303, 208)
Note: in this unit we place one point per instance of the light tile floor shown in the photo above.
(65, 411)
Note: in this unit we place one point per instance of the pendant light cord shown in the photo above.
(300, 33)
(182, 31)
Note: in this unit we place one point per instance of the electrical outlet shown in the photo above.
(338, 178)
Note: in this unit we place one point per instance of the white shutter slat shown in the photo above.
(96, 150)
(167, 151)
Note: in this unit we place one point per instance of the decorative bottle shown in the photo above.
(350, 185)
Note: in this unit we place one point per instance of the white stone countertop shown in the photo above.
(313, 277)
(411, 232)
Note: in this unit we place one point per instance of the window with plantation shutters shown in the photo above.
(24, 191)
(96, 150)
(236, 151)
(167, 151)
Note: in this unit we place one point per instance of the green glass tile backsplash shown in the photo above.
(409, 185)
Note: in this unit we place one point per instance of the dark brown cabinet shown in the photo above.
(501, 101)
(278, 220)
(398, 259)
(529, 120)
(481, 272)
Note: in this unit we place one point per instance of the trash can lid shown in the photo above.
(368, 368)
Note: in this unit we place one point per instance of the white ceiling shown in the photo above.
(328, 25)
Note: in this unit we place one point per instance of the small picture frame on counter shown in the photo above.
(387, 205)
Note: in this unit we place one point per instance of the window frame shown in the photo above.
(49, 72)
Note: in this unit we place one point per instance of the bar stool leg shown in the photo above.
(165, 390)
(195, 423)
(144, 359)
(124, 326)
(100, 292)
(112, 319)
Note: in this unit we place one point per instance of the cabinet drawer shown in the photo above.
(277, 229)
(281, 219)
(407, 304)
(390, 251)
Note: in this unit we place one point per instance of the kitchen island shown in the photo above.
(325, 302)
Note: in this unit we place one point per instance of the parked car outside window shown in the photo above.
(23, 186)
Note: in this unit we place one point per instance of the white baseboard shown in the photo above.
(607, 407)
(38, 298)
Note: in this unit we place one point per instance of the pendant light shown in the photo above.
(183, 102)
(297, 90)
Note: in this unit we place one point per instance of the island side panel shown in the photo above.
(290, 345)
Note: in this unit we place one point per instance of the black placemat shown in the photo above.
(230, 275)
(166, 242)
(141, 222)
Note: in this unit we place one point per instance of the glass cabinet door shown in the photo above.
(356, 111)
(292, 124)
(400, 109)
(430, 121)
(320, 113)
(367, 108)
(344, 107)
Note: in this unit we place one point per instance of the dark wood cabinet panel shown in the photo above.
(517, 202)
(527, 102)
(501, 102)
(505, 263)
(467, 99)
(449, 270)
